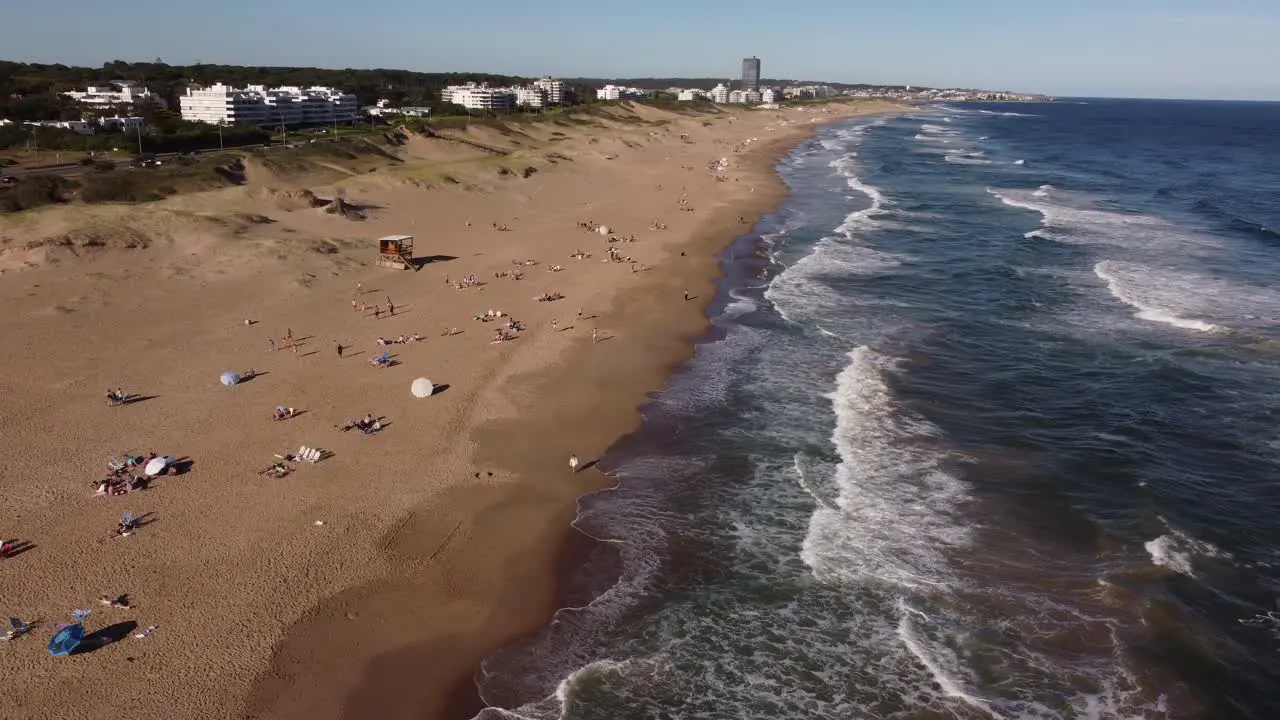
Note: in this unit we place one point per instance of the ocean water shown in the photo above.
(986, 426)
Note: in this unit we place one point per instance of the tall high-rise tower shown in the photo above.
(751, 73)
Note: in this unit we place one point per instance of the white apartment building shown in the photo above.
(555, 90)
(79, 127)
(383, 108)
(690, 94)
(533, 97)
(737, 97)
(108, 95)
(770, 96)
(720, 94)
(221, 104)
(617, 92)
(122, 124)
(479, 97)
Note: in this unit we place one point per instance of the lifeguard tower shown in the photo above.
(396, 251)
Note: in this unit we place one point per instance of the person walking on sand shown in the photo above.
(595, 336)
(686, 296)
(391, 307)
(573, 463)
(377, 312)
(272, 342)
(339, 351)
(355, 304)
(359, 287)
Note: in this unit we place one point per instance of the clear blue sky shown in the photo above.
(1134, 48)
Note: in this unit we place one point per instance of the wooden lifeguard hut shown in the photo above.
(396, 251)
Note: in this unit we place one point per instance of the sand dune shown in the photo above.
(315, 595)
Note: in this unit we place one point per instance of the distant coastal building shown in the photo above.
(479, 97)
(720, 94)
(383, 108)
(220, 104)
(751, 73)
(120, 92)
(79, 127)
(617, 92)
(534, 97)
(770, 96)
(122, 124)
(555, 90)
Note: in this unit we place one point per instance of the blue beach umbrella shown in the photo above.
(229, 378)
(66, 640)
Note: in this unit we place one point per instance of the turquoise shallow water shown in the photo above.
(985, 427)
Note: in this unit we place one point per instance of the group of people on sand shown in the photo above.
(549, 297)
(359, 306)
(121, 477)
(466, 282)
(117, 396)
(367, 424)
(402, 340)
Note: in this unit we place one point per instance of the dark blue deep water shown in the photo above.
(986, 427)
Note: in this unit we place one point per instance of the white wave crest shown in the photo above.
(1178, 551)
(967, 159)
(1137, 287)
(894, 509)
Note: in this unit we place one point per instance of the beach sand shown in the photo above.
(373, 583)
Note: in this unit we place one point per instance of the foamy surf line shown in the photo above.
(1109, 272)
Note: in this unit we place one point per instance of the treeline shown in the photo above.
(30, 91)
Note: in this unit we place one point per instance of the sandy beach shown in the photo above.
(370, 584)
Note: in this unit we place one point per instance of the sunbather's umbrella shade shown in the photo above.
(156, 466)
(422, 387)
(66, 640)
(229, 378)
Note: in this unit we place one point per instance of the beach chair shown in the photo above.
(311, 455)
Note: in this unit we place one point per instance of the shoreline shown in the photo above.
(667, 340)
(573, 546)
(372, 584)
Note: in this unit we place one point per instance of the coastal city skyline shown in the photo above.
(1133, 50)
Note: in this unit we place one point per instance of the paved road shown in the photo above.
(68, 169)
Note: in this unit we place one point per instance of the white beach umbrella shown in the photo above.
(229, 378)
(603, 229)
(422, 387)
(156, 466)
